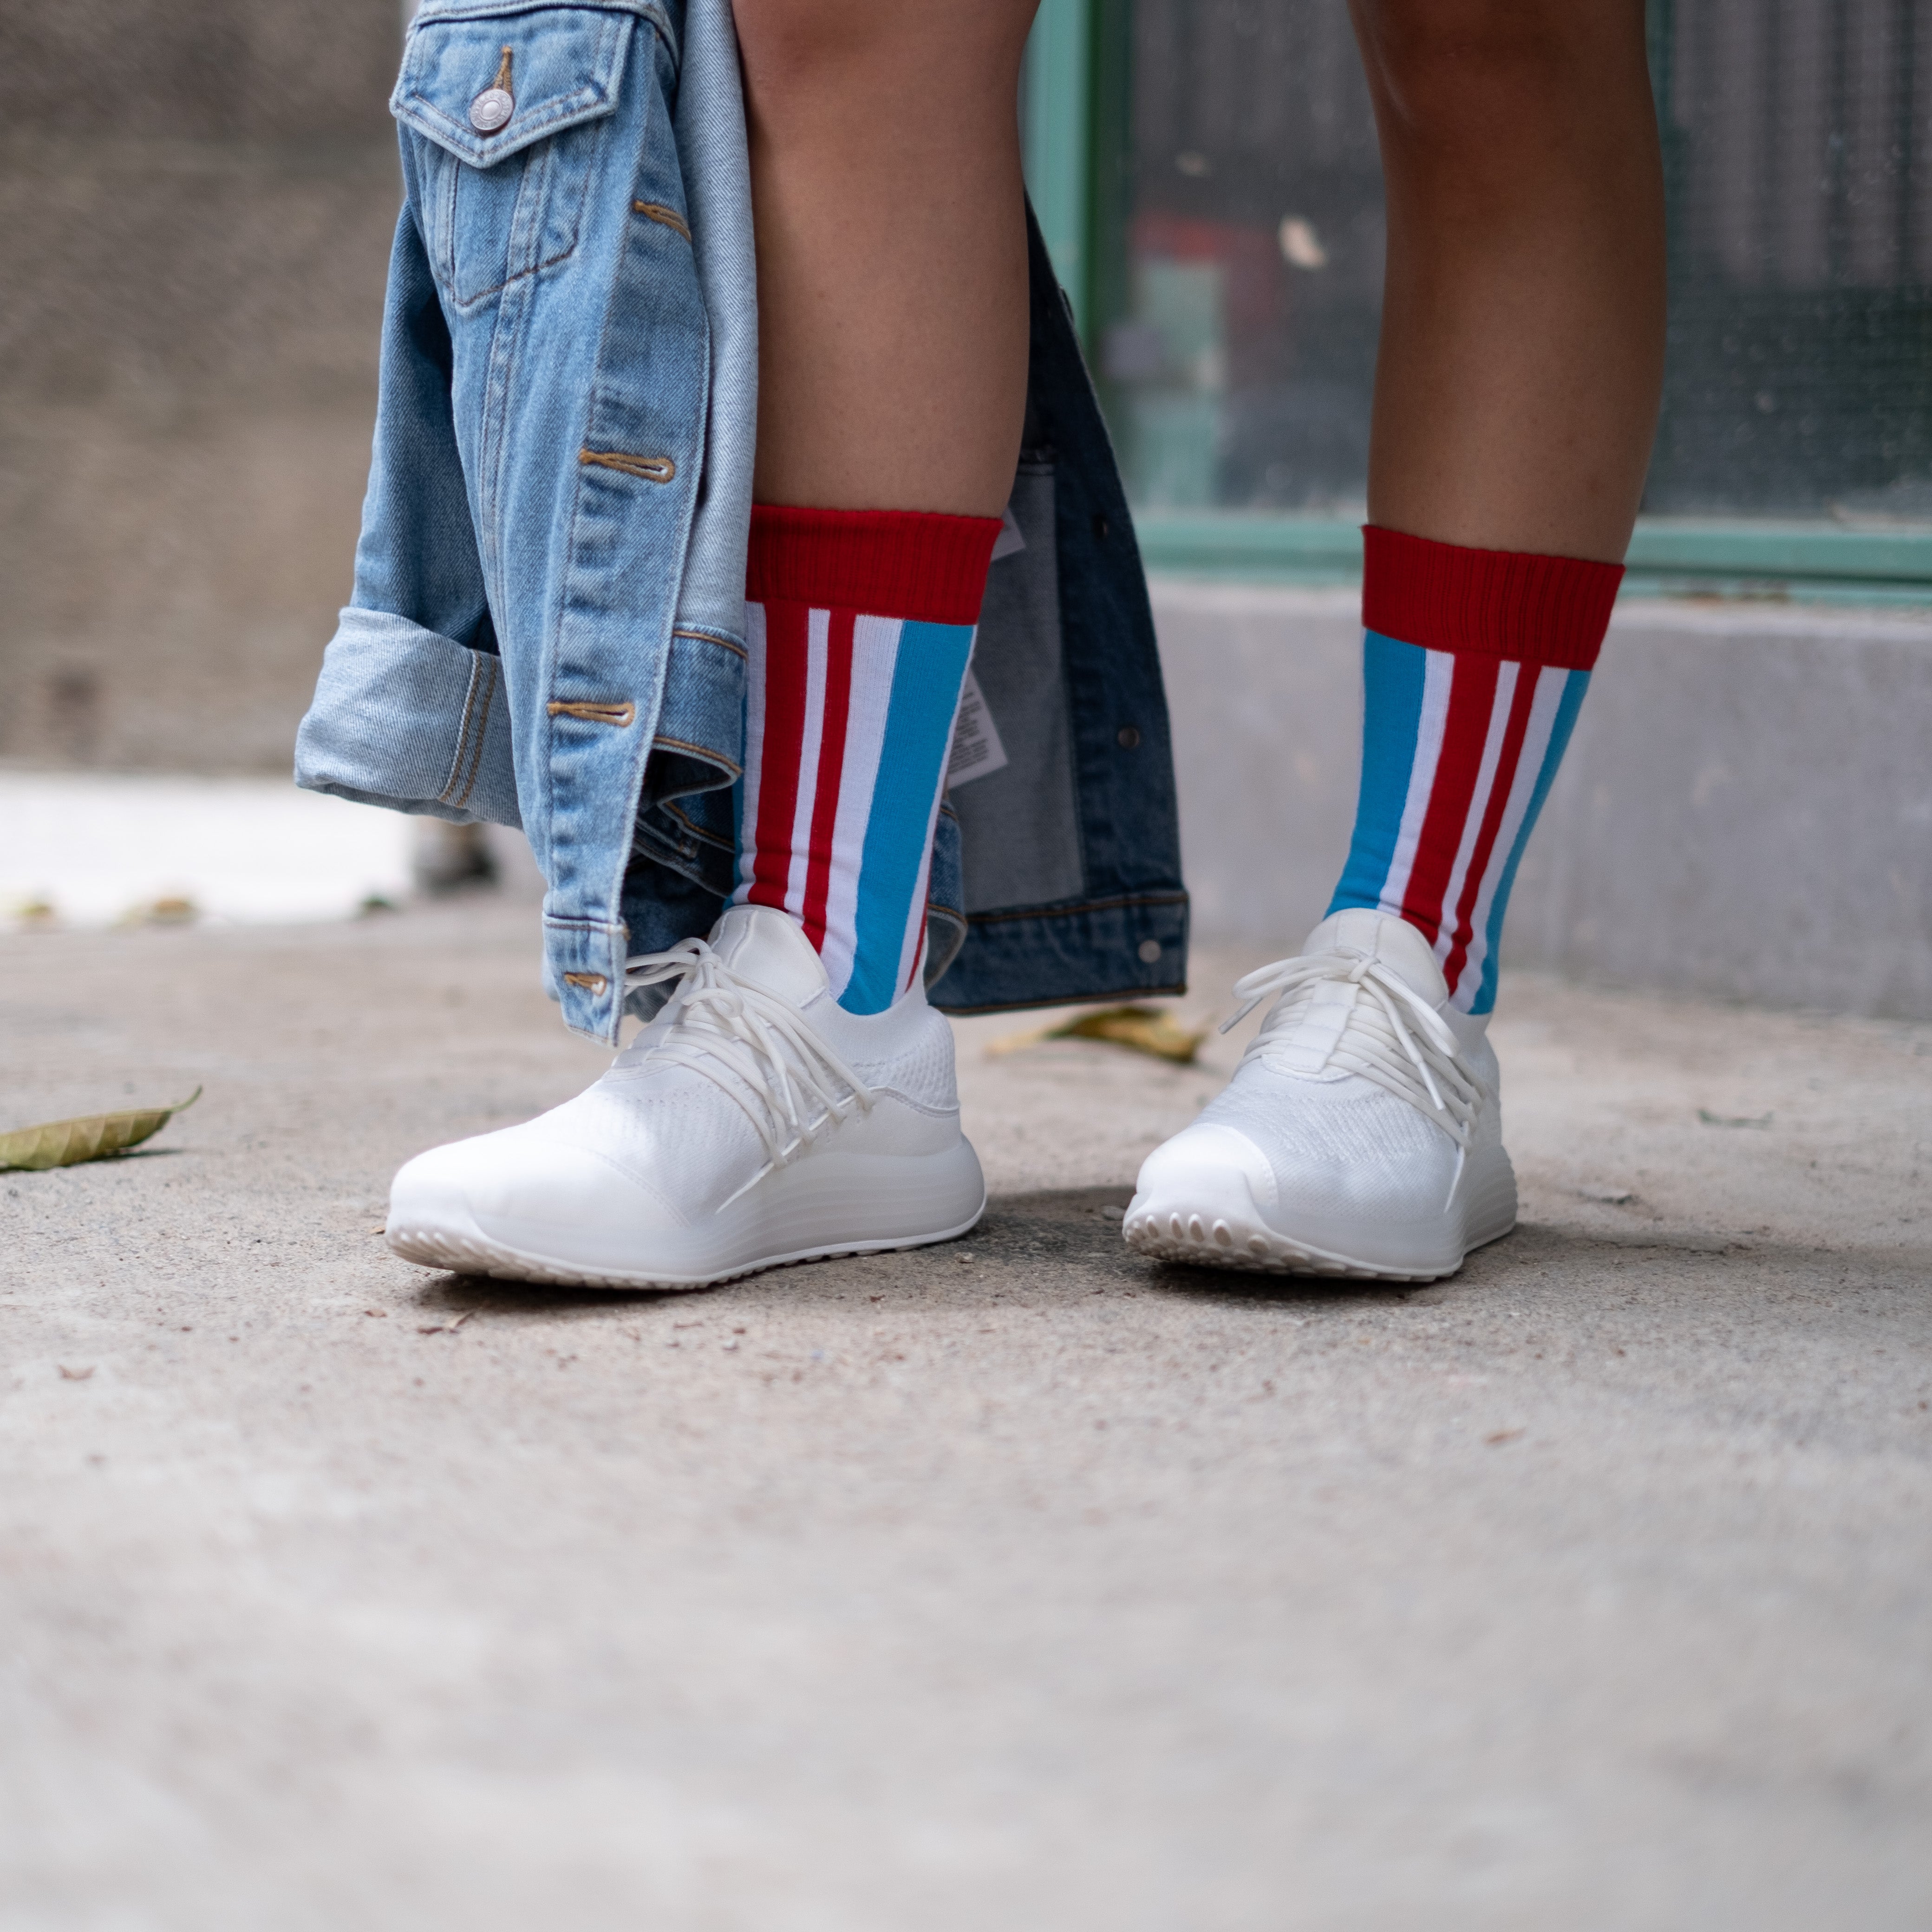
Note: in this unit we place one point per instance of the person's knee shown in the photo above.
(1468, 76)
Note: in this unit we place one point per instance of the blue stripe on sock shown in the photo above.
(1559, 739)
(1392, 681)
(930, 668)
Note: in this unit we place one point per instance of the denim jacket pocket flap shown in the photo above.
(484, 89)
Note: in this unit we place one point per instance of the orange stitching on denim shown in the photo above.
(696, 831)
(595, 714)
(652, 469)
(591, 982)
(463, 754)
(462, 741)
(703, 752)
(712, 637)
(668, 217)
(501, 82)
(493, 671)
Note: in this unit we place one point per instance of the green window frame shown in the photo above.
(1075, 103)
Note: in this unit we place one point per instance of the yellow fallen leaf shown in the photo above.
(67, 1143)
(1015, 1043)
(1143, 1029)
(173, 909)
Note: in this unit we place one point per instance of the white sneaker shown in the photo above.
(754, 1122)
(1361, 1134)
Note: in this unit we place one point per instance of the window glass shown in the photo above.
(1237, 337)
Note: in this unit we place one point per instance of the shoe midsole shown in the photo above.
(1484, 1211)
(827, 1199)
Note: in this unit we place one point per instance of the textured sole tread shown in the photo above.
(1252, 1249)
(437, 1248)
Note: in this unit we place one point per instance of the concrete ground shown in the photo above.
(1015, 1583)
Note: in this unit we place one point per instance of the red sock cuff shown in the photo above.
(914, 564)
(1501, 604)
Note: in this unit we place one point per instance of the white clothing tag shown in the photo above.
(977, 752)
(1008, 541)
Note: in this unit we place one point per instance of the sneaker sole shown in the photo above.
(847, 1208)
(475, 1254)
(1250, 1245)
(1255, 1249)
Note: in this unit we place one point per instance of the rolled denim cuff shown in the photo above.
(407, 719)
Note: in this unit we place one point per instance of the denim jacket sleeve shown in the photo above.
(547, 627)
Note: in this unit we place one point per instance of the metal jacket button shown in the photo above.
(496, 104)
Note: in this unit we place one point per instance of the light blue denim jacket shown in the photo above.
(547, 628)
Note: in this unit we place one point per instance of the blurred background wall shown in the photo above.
(195, 201)
(1747, 809)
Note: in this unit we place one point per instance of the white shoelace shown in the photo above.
(1390, 1035)
(734, 1033)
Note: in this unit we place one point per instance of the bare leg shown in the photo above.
(1523, 325)
(892, 250)
(1515, 397)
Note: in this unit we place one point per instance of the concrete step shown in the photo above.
(1745, 811)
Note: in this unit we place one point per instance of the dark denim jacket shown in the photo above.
(547, 628)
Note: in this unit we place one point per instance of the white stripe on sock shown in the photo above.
(817, 630)
(1439, 672)
(1543, 706)
(1479, 803)
(875, 650)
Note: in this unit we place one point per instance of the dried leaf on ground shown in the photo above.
(67, 1143)
(1141, 1029)
(171, 910)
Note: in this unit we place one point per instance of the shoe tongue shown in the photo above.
(1393, 941)
(762, 945)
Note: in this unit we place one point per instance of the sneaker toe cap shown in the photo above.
(513, 1184)
(1345, 1149)
(1203, 1162)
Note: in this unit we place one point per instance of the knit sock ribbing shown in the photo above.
(1475, 664)
(860, 628)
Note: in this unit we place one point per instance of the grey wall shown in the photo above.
(195, 202)
(1745, 811)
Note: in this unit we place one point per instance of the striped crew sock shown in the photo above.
(1474, 663)
(860, 625)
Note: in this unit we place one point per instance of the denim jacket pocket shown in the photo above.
(505, 107)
